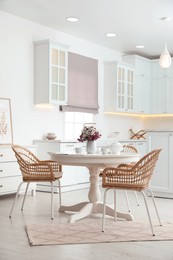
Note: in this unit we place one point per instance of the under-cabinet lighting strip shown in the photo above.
(138, 115)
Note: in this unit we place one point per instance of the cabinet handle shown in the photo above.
(1, 186)
(1, 155)
(1, 170)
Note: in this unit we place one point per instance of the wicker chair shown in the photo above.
(130, 149)
(131, 177)
(34, 170)
(127, 149)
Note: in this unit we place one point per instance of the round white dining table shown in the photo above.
(94, 162)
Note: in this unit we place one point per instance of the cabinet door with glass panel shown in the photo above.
(51, 61)
(125, 88)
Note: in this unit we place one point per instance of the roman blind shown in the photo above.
(82, 84)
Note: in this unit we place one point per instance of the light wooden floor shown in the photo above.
(14, 243)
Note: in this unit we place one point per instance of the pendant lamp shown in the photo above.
(165, 58)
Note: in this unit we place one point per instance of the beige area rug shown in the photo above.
(89, 231)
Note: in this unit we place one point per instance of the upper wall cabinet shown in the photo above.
(162, 89)
(118, 87)
(142, 65)
(50, 73)
(158, 72)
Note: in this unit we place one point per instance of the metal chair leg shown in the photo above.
(115, 206)
(127, 200)
(152, 196)
(59, 193)
(52, 200)
(104, 210)
(26, 190)
(137, 200)
(14, 202)
(149, 217)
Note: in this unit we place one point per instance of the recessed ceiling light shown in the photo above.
(72, 19)
(110, 34)
(165, 19)
(140, 46)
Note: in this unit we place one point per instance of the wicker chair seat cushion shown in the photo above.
(126, 186)
(42, 177)
(57, 175)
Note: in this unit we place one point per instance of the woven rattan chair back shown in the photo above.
(129, 149)
(24, 155)
(136, 177)
(34, 169)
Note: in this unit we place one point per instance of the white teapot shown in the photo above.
(116, 147)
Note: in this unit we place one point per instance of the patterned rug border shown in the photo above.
(88, 231)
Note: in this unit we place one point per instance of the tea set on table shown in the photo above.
(114, 148)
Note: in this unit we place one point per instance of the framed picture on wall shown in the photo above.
(6, 130)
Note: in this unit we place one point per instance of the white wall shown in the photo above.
(17, 80)
(158, 123)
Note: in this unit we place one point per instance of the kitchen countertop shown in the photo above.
(108, 140)
(159, 130)
(99, 142)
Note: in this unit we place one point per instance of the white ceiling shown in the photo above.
(136, 22)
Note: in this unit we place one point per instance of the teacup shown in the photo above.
(104, 150)
(78, 149)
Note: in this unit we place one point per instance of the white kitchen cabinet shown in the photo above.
(10, 174)
(169, 95)
(143, 94)
(125, 88)
(50, 73)
(158, 72)
(158, 96)
(45, 146)
(118, 87)
(142, 101)
(162, 179)
(142, 65)
(162, 93)
(140, 145)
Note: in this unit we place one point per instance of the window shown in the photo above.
(74, 122)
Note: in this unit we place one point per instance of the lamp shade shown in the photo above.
(165, 59)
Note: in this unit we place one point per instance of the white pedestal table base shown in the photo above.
(85, 209)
